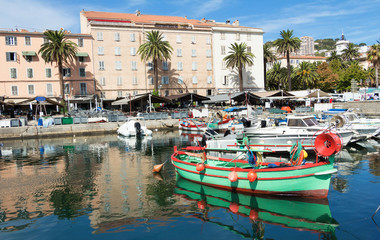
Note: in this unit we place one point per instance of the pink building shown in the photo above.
(24, 74)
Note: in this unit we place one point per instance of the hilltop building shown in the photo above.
(341, 45)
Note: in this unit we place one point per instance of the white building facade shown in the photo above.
(226, 80)
(307, 46)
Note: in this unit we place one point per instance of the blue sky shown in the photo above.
(359, 20)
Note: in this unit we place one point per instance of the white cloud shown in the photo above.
(206, 7)
(36, 15)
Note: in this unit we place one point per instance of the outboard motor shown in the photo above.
(263, 123)
(246, 123)
(138, 128)
(228, 132)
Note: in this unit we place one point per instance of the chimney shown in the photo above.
(228, 21)
(138, 13)
(236, 23)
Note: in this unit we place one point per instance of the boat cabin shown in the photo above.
(301, 121)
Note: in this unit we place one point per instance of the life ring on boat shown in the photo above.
(327, 144)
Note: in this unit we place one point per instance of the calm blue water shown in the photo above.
(103, 188)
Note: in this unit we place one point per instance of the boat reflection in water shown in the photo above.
(296, 213)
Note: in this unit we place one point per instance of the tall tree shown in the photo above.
(306, 72)
(373, 55)
(276, 77)
(60, 50)
(269, 57)
(350, 52)
(327, 78)
(238, 57)
(155, 49)
(286, 45)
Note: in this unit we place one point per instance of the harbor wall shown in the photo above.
(369, 108)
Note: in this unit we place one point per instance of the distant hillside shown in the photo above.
(328, 44)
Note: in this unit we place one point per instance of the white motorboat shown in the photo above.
(303, 129)
(134, 127)
(365, 127)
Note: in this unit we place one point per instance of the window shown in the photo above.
(180, 91)
(119, 93)
(165, 80)
(14, 90)
(208, 53)
(133, 37)
(102, 95)
(150, 66)
(134, 65)
(119, 81)
(179, 52)
(11, 40)
(225, 80)
(194, 66)
(66, 72)
(209, 66)
(179, 39)
(248, 37)
(179, 66)
(195, 80)
(31, 89)
(292, 61)
(133, 51)
(165, 66)
(249, 49)
(82, 72)
(101, 65)
(29, 58)
(67, 88)
(180, 80)
(135, 93)
(11, 56)
(223, 50)
(28, 41)
(83, 88)
(193, 52)
(118, 65)
(209, 79)
(49, 89)
(13, 72)
(209, 92)
(117, 51)
(99, 36)
(222, 36)
(80, 42)
(134, 80)
(117, 37)
(48, 72)
(150, 80)
(237, 36)
(193, 40)
(166, 93)
(100, 50)
(45, 40)
(81, 59)
(208, 40)
(102, 81)
(164, 37)
(29, 72)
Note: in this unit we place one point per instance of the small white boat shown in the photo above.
(134, 127)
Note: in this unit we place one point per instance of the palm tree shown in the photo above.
(350, 52)
(285, 45)
(373, 55)
(60, 50)
(155, 49)
(276, 77)
(239, 57)
(307, 74)
(269, 57)
(334, 56)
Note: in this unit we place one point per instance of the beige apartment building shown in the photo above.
(24, 74)
(119, 70)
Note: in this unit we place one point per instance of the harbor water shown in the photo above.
(102, 187)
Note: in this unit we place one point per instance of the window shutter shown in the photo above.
(8, 56)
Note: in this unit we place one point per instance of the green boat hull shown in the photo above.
(300, 214)
(310, 180)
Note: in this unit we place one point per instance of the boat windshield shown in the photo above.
(352, 117)
(296, 123)
(311, 122)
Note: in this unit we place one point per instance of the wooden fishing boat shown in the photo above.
(248, 175)
(297, 213)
